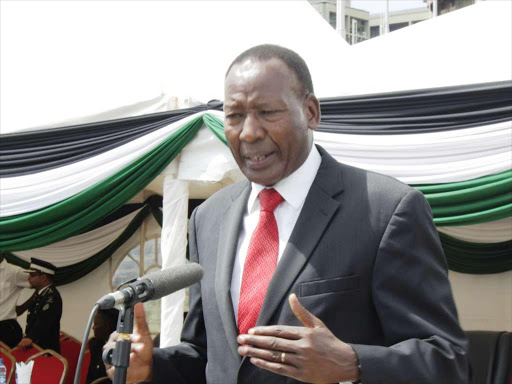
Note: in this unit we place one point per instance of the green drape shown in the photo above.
(70, 273)
(78, 213)
(463, 203)
(462, 256)
(470, 202)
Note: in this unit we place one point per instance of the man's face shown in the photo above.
(269, 121)
(35, 279)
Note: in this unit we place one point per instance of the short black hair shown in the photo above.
(292, 59)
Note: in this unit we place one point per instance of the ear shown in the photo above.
(313, 113)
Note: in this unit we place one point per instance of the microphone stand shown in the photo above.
(119, 357)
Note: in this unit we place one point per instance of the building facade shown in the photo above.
(360, 25)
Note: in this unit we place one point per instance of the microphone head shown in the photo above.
(173, 279)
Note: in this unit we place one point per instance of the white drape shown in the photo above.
(79, 248)
(28, 193)
(492, 232)
(427, 158)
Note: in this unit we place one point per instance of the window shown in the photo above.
(332, 19)
(374, 31)
(396, 26)
(138, 263)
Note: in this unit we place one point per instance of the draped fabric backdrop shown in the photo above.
(64, 191)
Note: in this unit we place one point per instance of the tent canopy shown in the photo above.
(469, 46)
(65, 63)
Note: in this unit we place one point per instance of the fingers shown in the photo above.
(280, 369)
(305, 317)
(113, 337)
(141, 326)
(282, 331)
(278, 357)
(267, 342)
(110, 370)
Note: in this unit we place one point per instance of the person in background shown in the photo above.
(104, 324)
(45, 310)
(12, 281)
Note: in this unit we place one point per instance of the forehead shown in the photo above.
(258, 80)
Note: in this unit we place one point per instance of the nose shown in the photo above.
(252, 130)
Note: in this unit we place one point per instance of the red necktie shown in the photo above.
(260, 263)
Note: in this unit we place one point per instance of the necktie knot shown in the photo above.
(269, 199)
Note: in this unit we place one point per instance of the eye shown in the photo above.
(234, 116)
(268, 113)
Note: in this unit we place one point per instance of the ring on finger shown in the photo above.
(283, 357)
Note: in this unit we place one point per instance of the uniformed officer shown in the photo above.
(45, 311)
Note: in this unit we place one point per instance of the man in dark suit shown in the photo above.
(345, 281)
(45, 309)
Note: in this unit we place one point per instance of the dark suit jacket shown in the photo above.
(364, 257)
(43, 319)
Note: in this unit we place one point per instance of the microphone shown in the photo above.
(154, 286)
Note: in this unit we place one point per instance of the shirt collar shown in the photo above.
(293, 188)
(43, 290)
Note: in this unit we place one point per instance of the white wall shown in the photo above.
(484, 302)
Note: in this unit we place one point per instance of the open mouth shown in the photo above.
(259, 159)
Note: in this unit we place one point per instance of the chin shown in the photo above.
(262, 181)
(260, 177)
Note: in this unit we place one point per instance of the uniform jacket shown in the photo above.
(364, 257)
(43, 320)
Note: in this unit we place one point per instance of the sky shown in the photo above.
(377, 6)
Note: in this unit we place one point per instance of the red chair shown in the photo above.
(49, 368)
(85, 367)
(22, 355)
(10, 364)
(70, 349)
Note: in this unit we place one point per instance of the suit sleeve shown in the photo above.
(186, 362)
(414, 302)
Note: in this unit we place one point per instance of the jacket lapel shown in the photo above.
(314, 218)
(228, 241)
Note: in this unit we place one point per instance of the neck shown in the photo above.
(41, 289)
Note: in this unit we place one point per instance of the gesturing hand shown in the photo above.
(311, 353)
(141, 355)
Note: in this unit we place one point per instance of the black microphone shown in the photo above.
(154, 286)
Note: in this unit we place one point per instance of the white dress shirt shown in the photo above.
(12, 282)
(294, 190)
